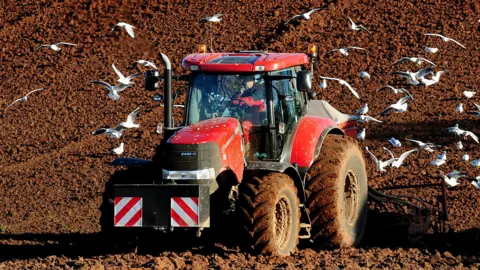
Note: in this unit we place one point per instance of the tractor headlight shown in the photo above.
(208, 173)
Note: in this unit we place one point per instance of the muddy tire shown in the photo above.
(269, 209)
(337, 192)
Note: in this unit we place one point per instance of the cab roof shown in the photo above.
(243, 62)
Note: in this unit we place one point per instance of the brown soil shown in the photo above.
(53, 170)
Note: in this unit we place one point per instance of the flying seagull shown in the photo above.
(118, 130)
(24, 98)
(399, 107)
(113, 90)
(460, 132)
(399, 161)
(357, 27)
(416, 60)
(415, 78)
(441, 159)
(363, 110)
(127, 27)
(395, 90)
(451, 181)
(364, 75)
(146, 63)
(465, 157)
(345, 50)
(469, 94)
(304, 16)
(123, 79)
(323, 84)
(361, 135)
(379, 163)
(459, 108)
(56, 47)
(215, 18)
(446, 39)
(424, 146)
(459, 145)
(395, 142)
(476, 182)
(435, 78)
(344, 83)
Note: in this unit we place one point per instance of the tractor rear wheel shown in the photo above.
(269, 207)
(337, 193)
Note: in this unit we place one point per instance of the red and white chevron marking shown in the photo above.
(128, 212)
(184, 212)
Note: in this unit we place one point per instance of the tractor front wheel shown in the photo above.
(337, 193)
(269, 207)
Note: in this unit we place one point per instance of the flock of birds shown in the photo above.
(425, 76)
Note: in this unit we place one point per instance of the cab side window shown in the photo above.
(288, 106)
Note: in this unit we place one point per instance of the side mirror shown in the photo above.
(304, 81)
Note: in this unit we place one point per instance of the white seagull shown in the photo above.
(361, 135)
(460, 132)
(323, 84)
(441, 159)
(128, 27)
(435, 78)
(215, 18)
(125, 80)
(146, 63)
(451, 181)
(416, 60)
(395, 142)
(119, 149)
(24, 98)
(345, 50)
(430, 50)
(415, 78)
(395, 90)
(424, 146)
(446, 39)
(379, 163)
(118, 130)
(476, 184)
(304, 16)
(399, 107)
(56, 47)
(475, 163)
(364, 75)
(459, 108)
(469, 94)
(399, 161)
(465, 157)
(113, 90)
(357, 27)
(363, 110)
(344, 83)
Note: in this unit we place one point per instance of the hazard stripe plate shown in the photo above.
(184, 211)
(128, 212)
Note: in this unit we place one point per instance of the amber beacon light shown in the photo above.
(312, 50)
(202, 48)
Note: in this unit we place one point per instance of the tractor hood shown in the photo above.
(219, 130)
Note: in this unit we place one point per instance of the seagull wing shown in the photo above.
(330, 78)
(312, 11)
(100, 131)
(11, 104)
(458, 43)
(415, 141)
(342, 82)
(403, 90)
(403, 100)
(39, 89)
(372, 155)
(386, 86)
(403, 59)
(428, 61)
(293, 18)
(436, 35)
(404, 156)
(402, 73)
(42, 46)
(131, 76)
(368, 118)
(469, 133)
(386, 111)
(476, 105)
(118, 72)
(131, 117)
(423, 72)
(129, 29)
(356, 48)
(103, 84)
(363, 27)
(218, 15)
(120, 87)
(390, 152)
(66, 43)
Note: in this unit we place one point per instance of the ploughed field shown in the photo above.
(53, 170)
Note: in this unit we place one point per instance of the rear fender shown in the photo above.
(306, 140)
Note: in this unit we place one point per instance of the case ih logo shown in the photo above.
(184, 212)
(128, 212)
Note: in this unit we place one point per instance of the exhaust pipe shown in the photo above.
(167, 95)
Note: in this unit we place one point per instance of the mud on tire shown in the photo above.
(269, 209)
(337, 192)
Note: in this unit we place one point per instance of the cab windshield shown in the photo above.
(242, 96)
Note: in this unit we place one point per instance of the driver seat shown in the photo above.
(322, 108)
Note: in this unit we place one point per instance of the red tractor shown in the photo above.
(253, 142)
